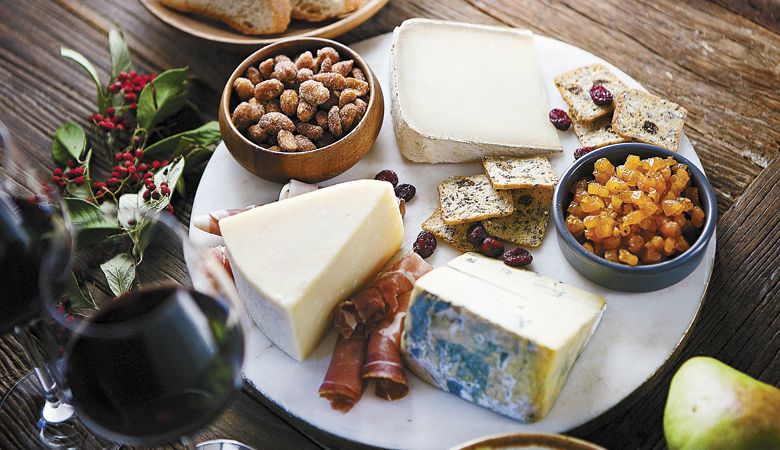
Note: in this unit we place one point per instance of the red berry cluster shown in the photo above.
(131, 84)
(155, 192)
(111, 121)
(71, 174)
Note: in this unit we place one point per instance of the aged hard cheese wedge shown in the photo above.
(294, 260)
(502, 338)
(461, 92)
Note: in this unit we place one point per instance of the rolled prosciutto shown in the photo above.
(210, 222)
(383, 354)
(343, 385)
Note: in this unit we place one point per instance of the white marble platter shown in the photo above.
(636, 336)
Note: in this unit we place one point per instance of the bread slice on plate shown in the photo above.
(471, 199)
(455, 235)
(527, 225)
(575, 85)
(597, 134)
(319, 10)
(245, 16)
(643, 117)
(515, 173)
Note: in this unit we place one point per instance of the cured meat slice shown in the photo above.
(383, 355)
(343, 385)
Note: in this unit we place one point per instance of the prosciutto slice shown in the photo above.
(220, 253)
(372, 304)
(383, 355)
(368, 346)
(342, 385)
(210, 222)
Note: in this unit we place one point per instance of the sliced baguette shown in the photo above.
(319, 10)
(246, 16)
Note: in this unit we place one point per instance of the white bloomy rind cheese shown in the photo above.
(502, 338)
(294, 260)
(461, 92)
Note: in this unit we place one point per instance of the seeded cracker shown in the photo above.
(454, 235)
(646, 118)
(598, 134)
(527, 225)
(575, 85)
(515, 173)
(471, 199)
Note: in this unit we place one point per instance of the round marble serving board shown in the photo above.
(637, 335)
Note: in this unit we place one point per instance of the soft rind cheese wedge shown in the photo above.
(502, 338)
(294, 260)
(460, 92)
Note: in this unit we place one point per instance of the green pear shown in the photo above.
(713, 406)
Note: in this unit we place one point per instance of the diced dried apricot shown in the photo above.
(627, 257)
(611, 255)
(697, 217)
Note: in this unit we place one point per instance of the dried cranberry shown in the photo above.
(389, 176)
(582, 151)
(492, 247)
(405, 191)
(517, 257)
(476, 233)
(600, 95)
(425, 244)
(560, 119)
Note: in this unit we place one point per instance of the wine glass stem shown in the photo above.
(48, 385)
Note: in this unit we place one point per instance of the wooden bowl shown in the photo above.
(310, 166)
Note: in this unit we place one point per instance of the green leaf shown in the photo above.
(79, 59)
(207, 134)
(69, 142)
(142, 236)
(162, 97)
(85, 215)
(76, 297)
(119, 272)
(196, 156)
(120, 55)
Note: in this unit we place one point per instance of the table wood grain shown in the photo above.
(722, 63)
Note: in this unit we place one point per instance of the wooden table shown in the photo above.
(716, 62)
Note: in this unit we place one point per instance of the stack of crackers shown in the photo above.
(633, 115)
(511, 199)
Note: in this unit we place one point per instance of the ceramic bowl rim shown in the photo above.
(706, 193)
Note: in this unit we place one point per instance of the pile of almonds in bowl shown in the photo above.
(302, 104)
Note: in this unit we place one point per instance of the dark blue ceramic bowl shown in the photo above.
(621, 277)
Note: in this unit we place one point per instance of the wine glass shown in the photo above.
(36, 240)
(163, 359)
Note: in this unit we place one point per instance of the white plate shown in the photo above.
(637, 334)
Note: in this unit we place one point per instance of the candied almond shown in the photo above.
(280, 58)
(354, 83)
(348, 96)
(343, 67)
(244, 88)
(326, 65)
(329, 52)
(304, 75)
(256, 134)
(285, 71)
(275, 148)
(322, 119)
(266, 67)
(305, 110)
(273, 122)
(268, 89)
(305, 61)
(272, 106)
(358, 74)
(332, 80)
(304, 143)
(244, 115)
(311, 131)
(334, 122)
(361, 106)
(253, 75)
(348, 114)
(289, 102)
(287, 141)
(314, 92)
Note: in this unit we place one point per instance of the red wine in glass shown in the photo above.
(155, 364)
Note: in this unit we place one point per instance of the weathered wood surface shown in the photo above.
(721, 65)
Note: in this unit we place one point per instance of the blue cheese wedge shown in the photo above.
(502, 338)
(460, 92)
